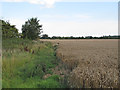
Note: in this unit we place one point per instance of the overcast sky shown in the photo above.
(65, 18)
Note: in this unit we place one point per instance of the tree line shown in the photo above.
(32, 30)
(45, 36)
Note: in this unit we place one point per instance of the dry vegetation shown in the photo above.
(91, 63)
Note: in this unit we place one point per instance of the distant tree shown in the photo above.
(88, 37)
(20, 35)
(31, 29)
(8, 30)
(82, 37)
(54, 37)
(44, 36)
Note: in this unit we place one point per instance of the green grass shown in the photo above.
(25, 69)
(50, 82)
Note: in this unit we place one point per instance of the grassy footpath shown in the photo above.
(26, 62)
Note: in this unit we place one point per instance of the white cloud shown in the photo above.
(50, 3)
(71, 17)
(17, 22)
(64, 28)
(96, 28)
(47, 3)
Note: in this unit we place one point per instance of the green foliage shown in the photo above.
(24, 69)
(31, 29)
(8, 31)
(51, 82)
(86, 37)
(44, 36)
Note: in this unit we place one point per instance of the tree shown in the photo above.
(8, 30)
(31, 29)
(44, 36)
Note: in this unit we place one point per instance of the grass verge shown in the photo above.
(26, 62)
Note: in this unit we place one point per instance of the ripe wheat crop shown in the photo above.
(92, 63)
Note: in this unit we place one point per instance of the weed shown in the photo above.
(25, 63)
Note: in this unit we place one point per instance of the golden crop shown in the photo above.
(92, 63)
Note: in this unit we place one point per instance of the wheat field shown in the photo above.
(92, 63)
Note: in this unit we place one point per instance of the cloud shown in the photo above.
(95, 28)
(50, 3)
(65, 28)
(46, 3)
(17, 22)
(71, 17)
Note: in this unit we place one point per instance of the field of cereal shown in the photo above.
(92, 63)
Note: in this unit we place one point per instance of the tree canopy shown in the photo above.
(31, 29)
(8, 30)
(44, 36)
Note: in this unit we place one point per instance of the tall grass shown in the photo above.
(25, 62)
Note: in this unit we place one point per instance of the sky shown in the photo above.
(65, 18)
